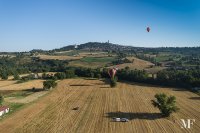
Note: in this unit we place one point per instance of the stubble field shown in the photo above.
(98, 103)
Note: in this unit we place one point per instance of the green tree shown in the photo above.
(162, 76)
(4, 75)
(113, 82)
(49, 84)
(165, 104)
(98, 75)
(60, 75)
(92, 75)
(44, 75)
(70, 73)
(16, 76)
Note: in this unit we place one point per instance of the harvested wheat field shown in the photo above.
(51, 57)
(136, 64)
(4, 83)
(98, 103)
(93, 54)
(12, 85)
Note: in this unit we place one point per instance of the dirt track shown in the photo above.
(97, 105)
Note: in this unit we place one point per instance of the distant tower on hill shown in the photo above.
(108, 41)
(75, 46)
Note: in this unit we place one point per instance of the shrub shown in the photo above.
(98, 75)
(4, 75)
(60, 75)
(16, 76)
(44, 76)
(113, 82)
(33, 89)
(92, 75)
(165, 104)
(49, 84)
(1, 99)
(70, 73)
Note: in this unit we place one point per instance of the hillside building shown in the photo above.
(3, 110)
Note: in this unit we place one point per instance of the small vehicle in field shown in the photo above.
(120, 119)
(124, 120)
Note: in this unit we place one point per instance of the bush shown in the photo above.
(92, 75)
(165, 104)
(44, 76)
(113, 82)
(60, 75)
(23, 79)
(49, 84)
(4, 75)
(33, 89)
(1, 99)
(70, 73)
(98, 75)
(16, 76)
(48, 76)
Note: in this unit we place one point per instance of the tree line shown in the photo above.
(18, 65)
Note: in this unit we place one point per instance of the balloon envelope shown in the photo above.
(148, 29)
(112, 72)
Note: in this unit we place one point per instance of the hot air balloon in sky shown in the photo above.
(148, 29)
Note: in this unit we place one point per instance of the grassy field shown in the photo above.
(98, 103)
(72, 55)
(92, 62)
(51, 57)
(97, 59)
(155, 69)
(165, 56)
(93, 54)
(13, 108)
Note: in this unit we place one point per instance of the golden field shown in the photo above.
(98, 103)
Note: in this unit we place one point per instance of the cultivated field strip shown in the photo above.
(22, 86)
(4, 83)
(98, 103)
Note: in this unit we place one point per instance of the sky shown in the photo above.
(49, 24)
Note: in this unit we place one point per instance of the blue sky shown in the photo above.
(49, 24)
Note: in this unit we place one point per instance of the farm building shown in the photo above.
(4, 110)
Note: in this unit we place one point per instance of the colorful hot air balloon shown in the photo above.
(148, 29)
(112, 72)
